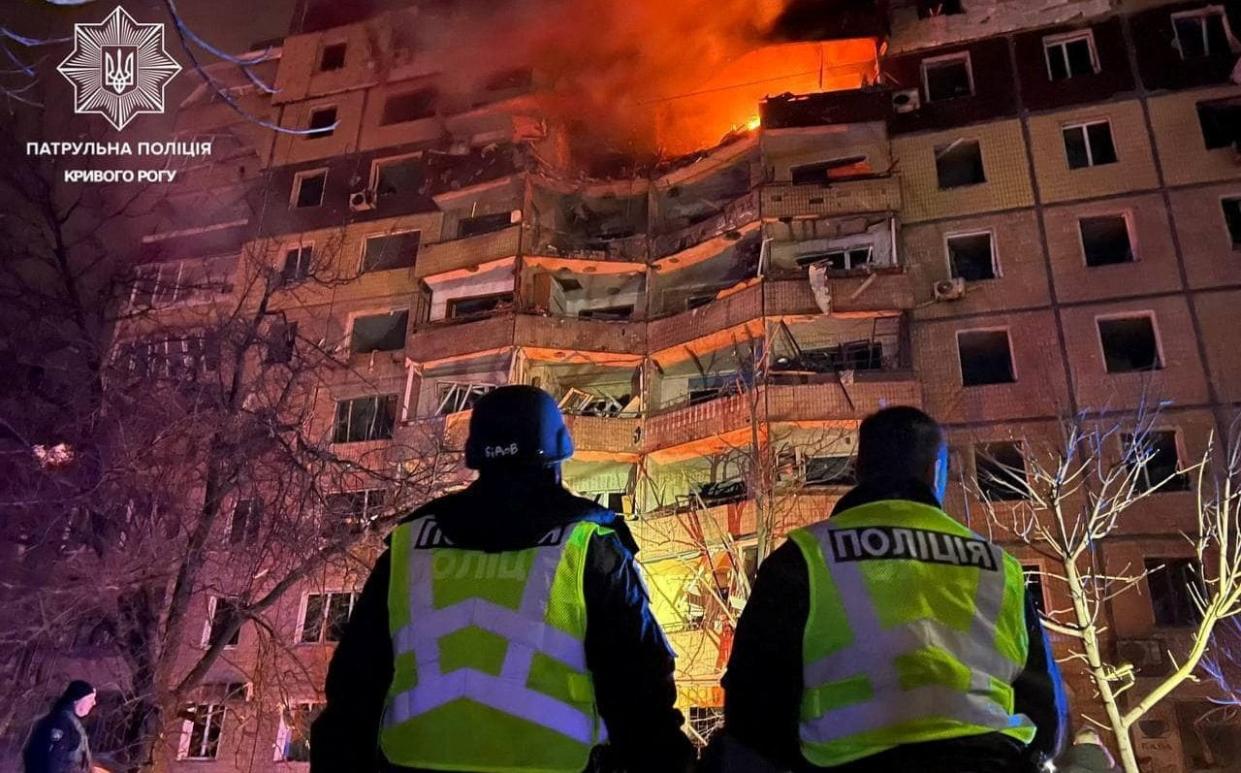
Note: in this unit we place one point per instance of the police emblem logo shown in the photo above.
(118, 68)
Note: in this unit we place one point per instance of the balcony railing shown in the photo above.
(735, 214)
(546, 241)
(450, 338)
(440, 257)
(606, 434)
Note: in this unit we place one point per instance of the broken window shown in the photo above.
(1201, 33)
(1000, 469)
(830, 470)
(162, 284)
(182, 358)
(613, 313)
(296, 264)
(1033, 574)
(1129, 344)
(221, 613)
(930, 8)
(399, 175)
(1172, 582)
(308, 188)
(1105, 240)
(833, 169)
(1163, 461)
(698, 300)
(322, 122)
(410, 106)
(247, 518)
(1070, 55)
(293, 737)
(482, 304)
(722, 492)
(332, 57)
(706, 388)
(947, 77)
(972, 256)
(457, 396)
(325, 617)
(281, 342)
(379, 332)
(1232, 219)
(365, 418)
(355, 510)
(200, 731)
(959, 164)
(482, 224)
(389, 251)
(1220, 122)
(1089, 144)
(845, 259)
(986, 357)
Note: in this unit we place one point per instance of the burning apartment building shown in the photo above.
(1001, 211)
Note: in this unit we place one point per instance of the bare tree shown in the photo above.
(1073, 495)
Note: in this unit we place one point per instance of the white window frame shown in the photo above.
(284, 733)
(299, 247)
(385, 234)
(1012, 354)
(216, 712)
(465, 388)
(323, 615)
(995, 250)
(1149, 314)
(377, 163)
(1061, 43)
(158, 273)
(377, 397)
(963, 56)
(1203, 13)
(1040, 565)
(367, 505)
(204, 642)
(302, 176)
(310, 114)
(1129, 228)
(356, 315)
(1083, 126)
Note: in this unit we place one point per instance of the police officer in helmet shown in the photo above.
(505, 628)
(890, 637)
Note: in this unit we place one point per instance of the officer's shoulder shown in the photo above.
(60, 728)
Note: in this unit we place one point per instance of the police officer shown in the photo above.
(58, 743)
(890, 637)
(505, 628)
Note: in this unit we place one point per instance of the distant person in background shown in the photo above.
(58, 743)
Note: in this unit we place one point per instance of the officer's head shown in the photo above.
(78, 696)
(516, 428)
(902, 443)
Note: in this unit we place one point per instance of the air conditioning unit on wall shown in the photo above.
(949, 289)
(906, 100)
(363, 200)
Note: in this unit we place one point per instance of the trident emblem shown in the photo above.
(119, 70)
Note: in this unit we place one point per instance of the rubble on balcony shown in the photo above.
(608, 226)
(584, 289)
(701, 274)
(459, 166)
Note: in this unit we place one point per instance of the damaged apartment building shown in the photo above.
(996, 210)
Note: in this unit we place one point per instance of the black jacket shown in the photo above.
(626, 652)
(763, 684)
(58, 744)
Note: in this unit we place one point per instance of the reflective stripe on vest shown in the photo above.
(854, 697)
(421, 632)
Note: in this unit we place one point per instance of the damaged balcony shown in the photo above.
(479, 225)
(599, 394)
(607, 223)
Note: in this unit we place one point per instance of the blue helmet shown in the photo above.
(517, 424)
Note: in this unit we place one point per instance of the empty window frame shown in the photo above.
(1000, 470)
(1162, 464)
(1232, 219)
(1129, 343)
(400, 175)
(325, 616)
(409, 106)
(389, 251)
(972, 256)
(221, 613)
(365, 418)
(293, 737)
(847, 168)
(829, 470)
(1070, 55)
(482, 224)
(613, 313)
(928, 9)
(479, 305)
(986, 357)
(322, 122)
(844, 259)
(947, 77)
(163, 284)
(456, 396)
(201, 724)
(297, 262)
(959, 164)
(1171, 582)
(1220, 122)
(1106, 240)
(281, 341)
(1202, 32)
(1089, 144)
(308, 188)
(354, 510)
(379, 332)
(246, 521)
(332, 57)
(1035, 587)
